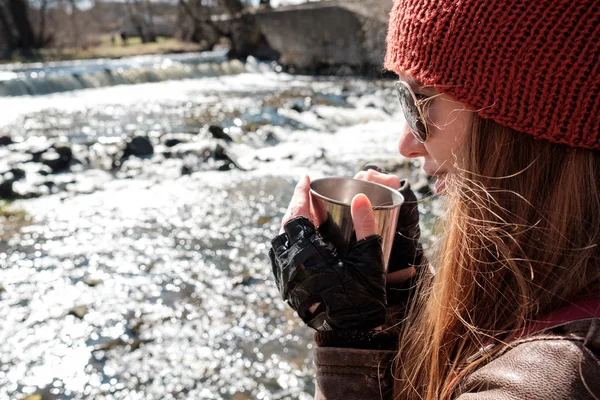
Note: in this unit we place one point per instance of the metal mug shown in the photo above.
(331, 199)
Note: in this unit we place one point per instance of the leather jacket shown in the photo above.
(557, 362)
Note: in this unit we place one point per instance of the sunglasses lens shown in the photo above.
(411, 112)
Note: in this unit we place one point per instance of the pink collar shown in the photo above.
(588, 307)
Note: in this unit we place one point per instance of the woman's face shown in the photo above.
(448, 122)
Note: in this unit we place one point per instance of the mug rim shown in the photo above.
(393, 191)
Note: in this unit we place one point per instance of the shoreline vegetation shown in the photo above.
(105, 49)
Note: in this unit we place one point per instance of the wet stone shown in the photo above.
(221, 153)
(44, 170)
(17, 173)
(218, 133)
(264, 220)
(139, 146)
(271, 138)
(5, 140)
(248, 281)
(172, 142)
(6, 190)
(225, 166)
(186, 170)
(58, 158)
(91, 282)
(299, 105)
(78, 311)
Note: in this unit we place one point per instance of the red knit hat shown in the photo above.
(531, 65)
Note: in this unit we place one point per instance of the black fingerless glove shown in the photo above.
(406, 252)
(351, 291)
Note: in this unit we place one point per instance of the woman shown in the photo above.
(502, 103)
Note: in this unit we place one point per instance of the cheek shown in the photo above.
(449, 125)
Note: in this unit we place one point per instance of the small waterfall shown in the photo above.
(40, 83)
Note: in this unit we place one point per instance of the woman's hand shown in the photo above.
(406, 250)
(330, 293)
(301, 206)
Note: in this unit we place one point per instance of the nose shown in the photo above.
(409, 146)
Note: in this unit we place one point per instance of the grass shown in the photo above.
(8, 212)
(105, 49)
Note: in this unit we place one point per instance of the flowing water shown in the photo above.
(151, 280)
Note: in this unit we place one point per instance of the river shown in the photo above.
(148, 278)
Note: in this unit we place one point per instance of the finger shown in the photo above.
(383, 179)
(318, 210)
(397, 277)
(362, 175)
(362, 216)
(300, 202)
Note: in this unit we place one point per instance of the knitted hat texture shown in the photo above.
(531, 65)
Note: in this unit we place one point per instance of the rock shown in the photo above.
(172, 142)
(64, 149)
(17, 173)
(186, 170)
(50, 158)
(264, 220)
(247, 280)
(92, 282)
(271, 138)
(139, 146)
(223, 154)
(220, 153)
(218, 133)
(109, 344)
(225, 166)
(45, 170)
(300, 104)
(6, 190)
(79, 311)
(13, 175)
(58, 158)
(5, 140)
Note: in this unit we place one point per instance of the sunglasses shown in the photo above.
(412, 107)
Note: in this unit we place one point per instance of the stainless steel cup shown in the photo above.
(331, 199)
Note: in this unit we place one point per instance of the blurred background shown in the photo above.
(148, 151)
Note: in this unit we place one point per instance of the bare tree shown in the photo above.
(6, 26)
(234, 7)
(17, 12)
(203, 29)
(41, 37)
(150, 31)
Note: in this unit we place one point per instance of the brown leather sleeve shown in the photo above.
(539, 368)
(353, 374)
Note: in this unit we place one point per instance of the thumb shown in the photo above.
(362, 216)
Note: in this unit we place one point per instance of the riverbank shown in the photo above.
(105, 49)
